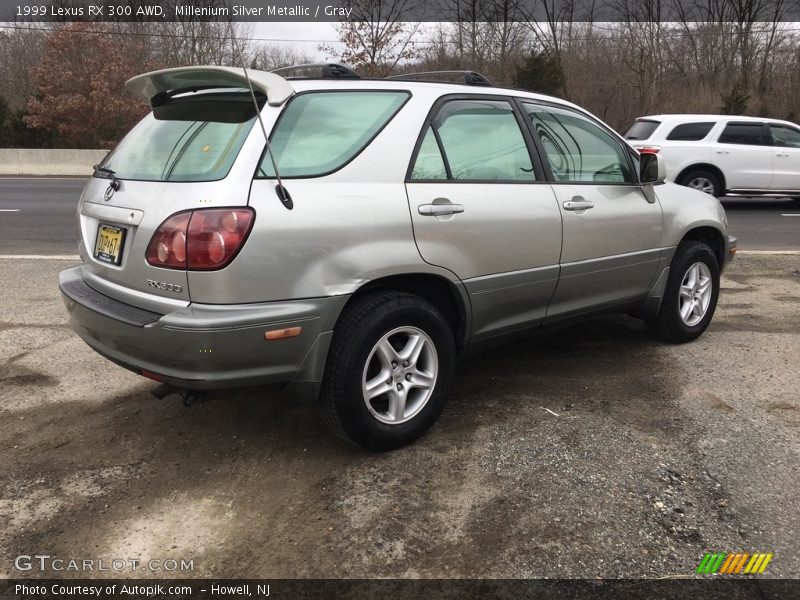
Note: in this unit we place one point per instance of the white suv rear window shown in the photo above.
(641, 130)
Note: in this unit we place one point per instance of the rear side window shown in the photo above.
(641, 130)
(429, 163)
(690, 132)
(750, 134)
(319, 132)
(481, 140)
(187, 138)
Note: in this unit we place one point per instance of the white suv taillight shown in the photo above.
(205, 239)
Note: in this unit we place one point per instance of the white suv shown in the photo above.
(724, 154)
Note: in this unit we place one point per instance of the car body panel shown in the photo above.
(610, 251)
(208, 346)
(745, 167)
(685, 209)
(785, 169)
(505, 246)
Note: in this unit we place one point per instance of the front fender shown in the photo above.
(685, 209)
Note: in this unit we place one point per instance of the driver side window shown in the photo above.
(577, 149)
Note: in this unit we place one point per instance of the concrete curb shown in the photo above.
(49, 162)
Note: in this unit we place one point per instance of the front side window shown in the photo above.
(319, 132)
(749, 134)
(690, 132)
(195, 137)
(481, 140)
(577, 149)
(785, 137)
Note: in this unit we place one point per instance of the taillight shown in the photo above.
(161, 252)
(649, 150)
(200, 240)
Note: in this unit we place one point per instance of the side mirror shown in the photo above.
(652, 168)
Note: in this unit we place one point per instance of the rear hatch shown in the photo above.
(197, 149)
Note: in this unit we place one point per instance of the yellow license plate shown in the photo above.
(108, 246)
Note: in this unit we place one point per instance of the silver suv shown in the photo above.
(412, 220)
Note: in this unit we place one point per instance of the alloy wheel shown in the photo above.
(703, 184)
(695, 294)
(399, 375)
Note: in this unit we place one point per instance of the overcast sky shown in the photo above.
(314, 33)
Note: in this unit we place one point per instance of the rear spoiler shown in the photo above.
(159, 83)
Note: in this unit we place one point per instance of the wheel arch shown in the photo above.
(712, 237)
(447, 296)
(703, 167)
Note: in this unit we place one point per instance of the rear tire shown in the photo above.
(690, 297)
(703, 181)
(389, 370)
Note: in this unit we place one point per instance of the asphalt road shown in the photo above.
(764, 224)
(593, 451)
(45, 220)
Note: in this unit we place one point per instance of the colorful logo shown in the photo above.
(734, 564)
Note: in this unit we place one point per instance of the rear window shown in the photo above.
(751, 134)
(319, 132)
(187, 138)
(641, 130)
(690, 132)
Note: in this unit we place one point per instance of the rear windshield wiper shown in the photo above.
(109, 174)
(106, 170)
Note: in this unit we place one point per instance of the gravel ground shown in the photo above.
(591, 451)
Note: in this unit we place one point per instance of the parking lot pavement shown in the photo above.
(592, 451)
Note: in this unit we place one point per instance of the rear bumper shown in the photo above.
(204, 347)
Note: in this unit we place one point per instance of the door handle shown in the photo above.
(438, 210)
(578, 203)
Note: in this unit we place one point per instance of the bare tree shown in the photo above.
(377, 38)
(21, 49)
(269, 57)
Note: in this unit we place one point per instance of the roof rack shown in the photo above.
(316, 70)
(468, 77)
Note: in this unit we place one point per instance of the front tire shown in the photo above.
(690, 297)
(389, 370)
(703, 181)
